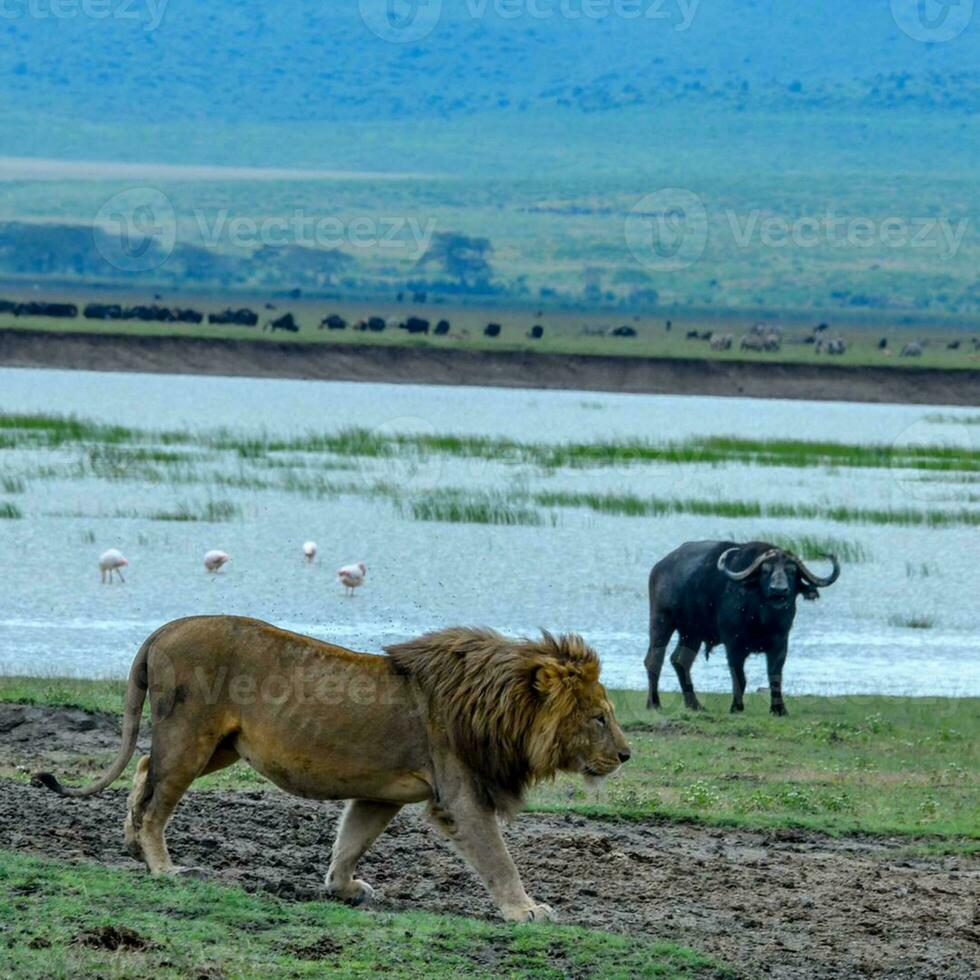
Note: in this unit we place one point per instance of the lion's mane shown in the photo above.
(509, 709)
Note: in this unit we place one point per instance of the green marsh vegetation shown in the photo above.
(631, 505)
(457, 507)
(46, 431)
(305, 465)
(211, 511)
(810, 548)
(912, 622)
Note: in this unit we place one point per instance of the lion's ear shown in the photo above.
(550, 678)
(555, 678)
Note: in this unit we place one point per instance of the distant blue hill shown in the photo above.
(309, 62)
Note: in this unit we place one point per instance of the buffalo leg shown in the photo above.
(736, 664)
(660, 631)
(774, 665)
(683, 658)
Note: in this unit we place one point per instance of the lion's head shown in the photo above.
(515, 711)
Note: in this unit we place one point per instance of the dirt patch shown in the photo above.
(114, 939)
(784, 904)
(325, 948)
(65, 739)
(504, 369)
(56, 728)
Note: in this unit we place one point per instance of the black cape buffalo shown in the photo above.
(415, 324)
(285, 322)
(741, 595)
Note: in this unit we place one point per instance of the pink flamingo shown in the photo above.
(214, 560)
(112, 561)
(309, 550)
(352, 576)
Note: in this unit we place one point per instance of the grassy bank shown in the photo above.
(878, 765)
(565, 332)
(82, 920)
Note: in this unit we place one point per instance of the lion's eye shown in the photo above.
(601, 719)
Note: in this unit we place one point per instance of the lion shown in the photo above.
(463, 720)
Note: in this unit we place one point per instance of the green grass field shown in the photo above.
(874, 765)
(566, 332)
(59, 920)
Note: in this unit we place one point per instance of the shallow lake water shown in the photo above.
(577, 571)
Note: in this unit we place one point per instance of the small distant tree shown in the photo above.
(460, 257)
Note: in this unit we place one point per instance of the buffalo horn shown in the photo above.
(741, 576)
(821, 583)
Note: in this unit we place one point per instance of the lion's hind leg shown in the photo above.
(134, 810)
(174, 763)
(361, 825)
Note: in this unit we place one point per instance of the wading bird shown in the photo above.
(112, 561)
(309, 549)
(352, 576)
(214, 560)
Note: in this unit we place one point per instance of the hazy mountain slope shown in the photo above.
(249, 63)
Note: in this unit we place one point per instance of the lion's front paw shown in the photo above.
(355, 892)
(531, 913)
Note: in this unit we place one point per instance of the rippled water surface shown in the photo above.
(578, 570)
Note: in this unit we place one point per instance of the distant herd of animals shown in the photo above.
(764, 338)
(113, 561)
(463, 720)
(761, 338)
(249, 318)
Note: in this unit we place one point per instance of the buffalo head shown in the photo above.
(780, 574)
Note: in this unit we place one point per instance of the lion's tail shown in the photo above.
(135, 697)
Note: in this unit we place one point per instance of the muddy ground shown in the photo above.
(505, 369)
(787, 904)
